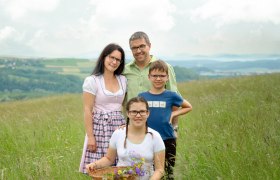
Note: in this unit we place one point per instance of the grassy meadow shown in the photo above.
(232, 133)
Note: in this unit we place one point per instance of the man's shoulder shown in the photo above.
(128, 67)
(129, 64)
(154, 58)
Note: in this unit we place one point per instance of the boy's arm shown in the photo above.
(185, 108)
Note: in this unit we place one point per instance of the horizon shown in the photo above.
(218, 57)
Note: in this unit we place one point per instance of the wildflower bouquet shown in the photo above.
(134, 170)
(130, 172)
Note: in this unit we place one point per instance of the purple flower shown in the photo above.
(130, 171)
(138, 171)
(142, 173)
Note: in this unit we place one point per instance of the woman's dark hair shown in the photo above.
(99, 67)
(129, 103)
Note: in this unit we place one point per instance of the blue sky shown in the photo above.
(177, 28)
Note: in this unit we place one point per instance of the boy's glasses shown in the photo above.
(134, 113)
(141, 47)
(154, 76)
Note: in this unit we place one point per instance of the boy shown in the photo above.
(160, 103)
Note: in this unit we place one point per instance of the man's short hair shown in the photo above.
(139, 35)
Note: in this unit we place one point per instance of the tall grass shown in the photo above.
(41, 139)
(233, 131)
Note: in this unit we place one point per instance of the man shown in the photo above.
(137, 70)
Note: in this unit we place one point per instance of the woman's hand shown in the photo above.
(91, 146)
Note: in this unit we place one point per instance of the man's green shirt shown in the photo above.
(137, 79)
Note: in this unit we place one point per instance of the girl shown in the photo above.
(135, 143)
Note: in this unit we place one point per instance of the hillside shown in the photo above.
(31, 78)
(233, 130)
(232, 133)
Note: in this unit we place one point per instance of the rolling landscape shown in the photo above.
(232, 132)
(25, 78)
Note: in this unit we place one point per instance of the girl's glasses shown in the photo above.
(134, 113)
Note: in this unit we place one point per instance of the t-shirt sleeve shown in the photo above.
(113, 139)
(90, 85)
(177, 99)
(158, 142)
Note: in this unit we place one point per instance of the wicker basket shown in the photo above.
(102, 173)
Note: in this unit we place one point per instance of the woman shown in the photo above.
(103, 95)
(135, 143)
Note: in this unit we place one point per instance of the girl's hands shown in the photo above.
(91, 167)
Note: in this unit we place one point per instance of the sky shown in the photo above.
(177, 28)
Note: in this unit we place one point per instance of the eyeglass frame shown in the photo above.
(141, 47)
(112, 58)
(144, 112)
(155, 76)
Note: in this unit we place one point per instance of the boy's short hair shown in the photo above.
(159, 65)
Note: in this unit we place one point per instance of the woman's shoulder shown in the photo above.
(121, 77)
(91, 77)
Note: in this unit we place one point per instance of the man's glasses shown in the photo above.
(112, 58)
(141, 47)
(134, 113)
(154, 76)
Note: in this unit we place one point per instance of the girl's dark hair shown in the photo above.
(99, 67)
(129, 103)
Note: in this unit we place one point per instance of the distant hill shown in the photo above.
(232, 65)
(22, 78)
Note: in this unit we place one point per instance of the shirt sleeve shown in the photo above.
(90, 85)
(177, 99)
(171, 83)
(113, 139)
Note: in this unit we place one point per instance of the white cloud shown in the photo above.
(71, 27)
(107, 21)
(19, 8)
(156, 14)
(234, 11)
(9, 33)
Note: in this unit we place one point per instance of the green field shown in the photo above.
(232, 133)
(78, 67)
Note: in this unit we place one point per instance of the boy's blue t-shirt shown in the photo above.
(160, 106)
